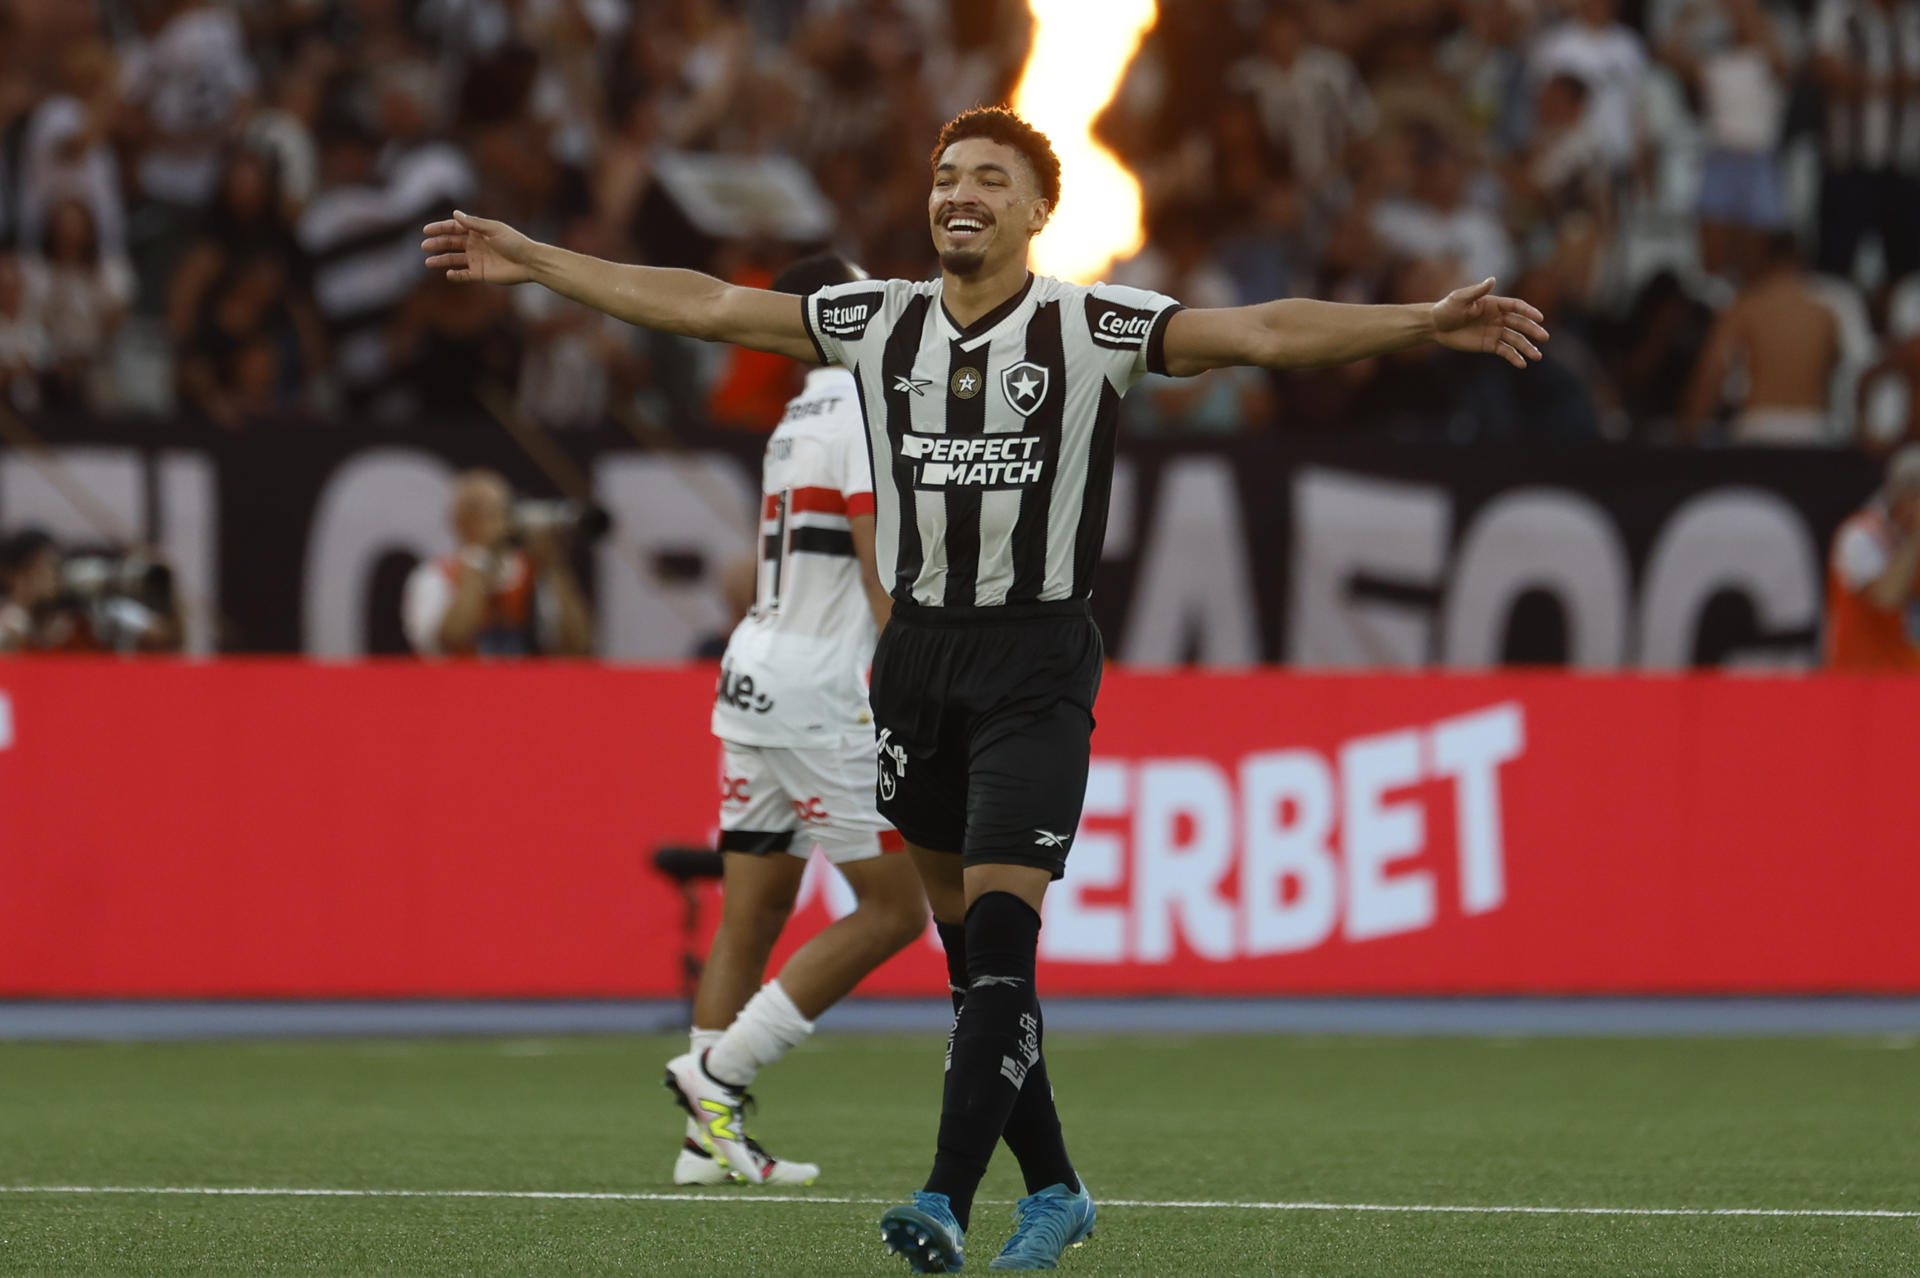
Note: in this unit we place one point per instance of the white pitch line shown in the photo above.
(255, 1191)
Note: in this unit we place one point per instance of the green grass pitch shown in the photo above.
(1789, 1124)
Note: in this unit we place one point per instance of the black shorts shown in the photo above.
(985, 721)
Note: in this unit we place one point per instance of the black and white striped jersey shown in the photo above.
(992, 446)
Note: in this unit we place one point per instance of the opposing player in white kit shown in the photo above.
(800, 770)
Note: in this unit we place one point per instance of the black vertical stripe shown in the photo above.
(964, 417)
(1045, 347)
(1092, 534)
(896, 365)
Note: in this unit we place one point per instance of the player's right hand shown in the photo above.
(473, 249)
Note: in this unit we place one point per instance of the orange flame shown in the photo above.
(1081, 49)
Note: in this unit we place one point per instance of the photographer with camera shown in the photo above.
(85, 600)
(30, 620)
(508, 590)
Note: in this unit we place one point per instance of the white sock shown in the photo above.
(700, 1040)
(766, 1029)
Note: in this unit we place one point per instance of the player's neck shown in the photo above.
(968, 297)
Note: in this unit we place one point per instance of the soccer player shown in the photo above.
(791, 711)
(990, 397)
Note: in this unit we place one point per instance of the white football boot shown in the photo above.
(718, 1124)
(696, 1166)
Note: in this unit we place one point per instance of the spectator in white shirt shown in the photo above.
(86, 295)
(191, 84)
(65, 154)
(1739, 75)
(1594, 46)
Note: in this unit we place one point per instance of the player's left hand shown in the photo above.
(1473, 319)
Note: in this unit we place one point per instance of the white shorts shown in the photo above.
(777, 799)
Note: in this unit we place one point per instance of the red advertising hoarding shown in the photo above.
(391, 830)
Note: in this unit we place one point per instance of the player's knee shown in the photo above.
(754, 923)
(903, 924)
(895, 920)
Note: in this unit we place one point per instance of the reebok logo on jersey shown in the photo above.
(1048, 839)
(975, 461)
(918, 385)
(847, 317)
(1118, 328)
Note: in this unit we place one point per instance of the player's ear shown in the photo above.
(1038, 214)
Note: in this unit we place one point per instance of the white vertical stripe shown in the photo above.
(886, 497)
(929, 417)
(999, 510)
(1085, 374)
(931, 507)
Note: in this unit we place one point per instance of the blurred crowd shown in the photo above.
(211, 207)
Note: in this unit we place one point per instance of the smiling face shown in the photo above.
(985, 208)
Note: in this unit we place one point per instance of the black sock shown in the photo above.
(996, 1040)
(1033, 1126)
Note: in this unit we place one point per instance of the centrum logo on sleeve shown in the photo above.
(975, 461)
(846, 317)
(1116, 327)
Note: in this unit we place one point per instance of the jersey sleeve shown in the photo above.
(847, 322)
(1858, 558)
(1128, 330)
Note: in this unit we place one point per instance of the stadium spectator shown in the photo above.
(247, 218)
(1867, 60)
(1594, 46)
(90, 601)
(493, 597)
(1873, 576)
(1740, 80)
(26, 352)
(65, 152)
(1312, 103)
(576, 363)
(1783, 339)
(84, 295)
(283, 132)
(1900, 365)
(29, 590)
(1436, 220)
(242, 362)
(353, 234)
(187, 84)
(1562, 170)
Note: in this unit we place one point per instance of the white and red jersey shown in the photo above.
(795, 670)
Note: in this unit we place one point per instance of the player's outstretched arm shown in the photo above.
(1297, 332)
(473, 249)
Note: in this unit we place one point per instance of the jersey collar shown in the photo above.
(986, 323)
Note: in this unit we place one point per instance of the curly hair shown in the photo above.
(997, 124)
